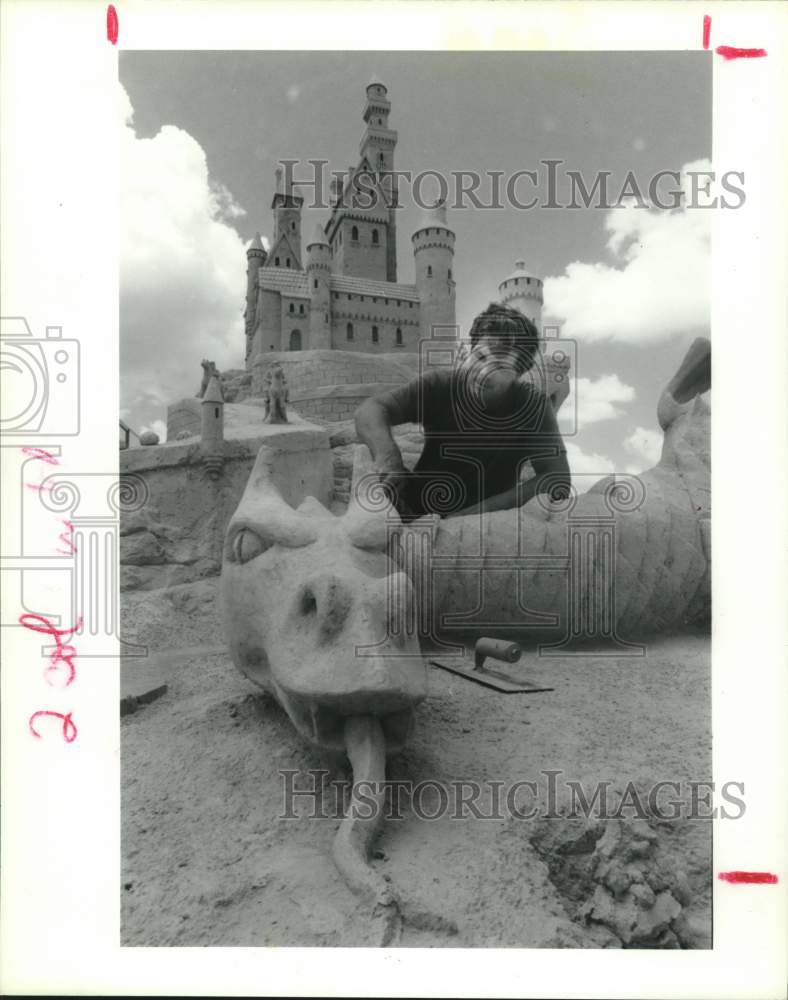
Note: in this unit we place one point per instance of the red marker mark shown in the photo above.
(63, 652)
(68, 539)
(112, 25)
(45, 456)
(730, 52)
(748, 878)
(69, 729)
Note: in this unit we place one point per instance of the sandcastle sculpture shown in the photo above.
(209, 371)
(309, 615)
(275, 394)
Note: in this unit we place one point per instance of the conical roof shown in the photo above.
(375, 81)
(256, 244)
(318, 236)
(520, 271)
(213, 392)
(435, 216)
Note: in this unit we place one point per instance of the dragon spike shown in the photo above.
(692, 378)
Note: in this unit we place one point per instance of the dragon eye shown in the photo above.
(247, 545)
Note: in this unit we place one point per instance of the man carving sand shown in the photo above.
(481, 425)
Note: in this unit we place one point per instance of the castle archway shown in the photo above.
(295, 340)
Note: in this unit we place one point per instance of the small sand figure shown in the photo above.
(275, 395)
(209, 371)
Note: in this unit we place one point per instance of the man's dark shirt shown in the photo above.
(475, 454)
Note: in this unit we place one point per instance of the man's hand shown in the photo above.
(395, 483)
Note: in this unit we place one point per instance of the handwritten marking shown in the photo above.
(68, 539)
(748, 878)
(112, 25)
(706, 30)
(69, 729)
(63, 652)
(45, 456)
(731, 52)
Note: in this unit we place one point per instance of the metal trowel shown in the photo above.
(494, 649)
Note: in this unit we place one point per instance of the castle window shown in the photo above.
(375, 236)
(349, 331)
(374, 298)
(336, 295)
(381, 159)
(287, 262)
(429, 270)
(374, 335)
(399, 337)
(314, 283)
(292, 227)
(295, 340)
(292, 307)
(354, 234)
(301, 308)
(276, 261)
(449, 274)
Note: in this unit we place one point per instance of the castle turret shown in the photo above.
(318, 270)
(287, 215)
(433, 251)
(523, 291)
(377, 146)
(212, 430)
(255, 258)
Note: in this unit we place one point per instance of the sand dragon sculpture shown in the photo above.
(309, 614)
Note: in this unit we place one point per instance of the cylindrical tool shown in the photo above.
(498, 649)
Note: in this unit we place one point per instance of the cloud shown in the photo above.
(657, 286)
(182, 270)
(596, 400)
(646, 446)
(586, 467)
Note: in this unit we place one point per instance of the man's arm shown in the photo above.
(374, 420)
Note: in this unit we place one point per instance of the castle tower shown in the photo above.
(433, 251)
(523, 291)
(255, 258)
(212, 429)
(318, 270)
(287, 223)
(377, 146)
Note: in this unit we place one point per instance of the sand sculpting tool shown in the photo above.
(501, 651)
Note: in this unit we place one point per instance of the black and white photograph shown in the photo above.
(415, 398)
(392, 646)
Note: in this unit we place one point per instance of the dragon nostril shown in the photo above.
(308, 603)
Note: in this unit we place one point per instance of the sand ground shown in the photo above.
(208, 860)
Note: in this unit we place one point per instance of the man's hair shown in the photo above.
(509, 325)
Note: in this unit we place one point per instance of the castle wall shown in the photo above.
(269, 331)
(366, 311)
(362, 258)
(330, 385)
(178, 535)
(294, 323)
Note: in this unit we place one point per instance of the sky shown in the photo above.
(202, 133)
